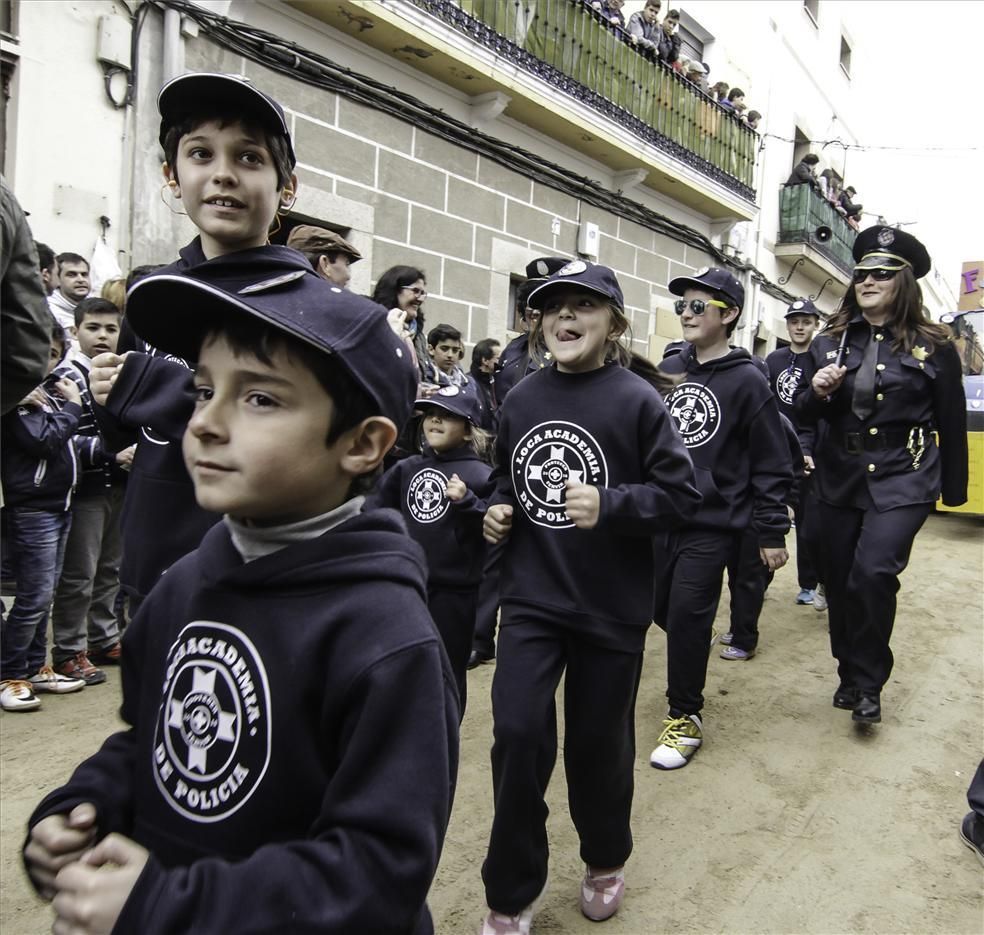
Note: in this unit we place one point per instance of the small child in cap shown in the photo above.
(291, 742)
(441, 494)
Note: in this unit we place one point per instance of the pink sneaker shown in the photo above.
(601, 894)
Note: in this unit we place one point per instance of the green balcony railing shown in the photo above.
(805, 215)
(570, 46)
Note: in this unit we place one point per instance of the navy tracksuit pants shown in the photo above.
(453, 610)
(600, 687)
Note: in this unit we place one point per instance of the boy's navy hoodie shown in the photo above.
(150, 403)
(449, 531)
(729, 421)
(40, 461)
(786, 370)
(292, 743)
(608, 428)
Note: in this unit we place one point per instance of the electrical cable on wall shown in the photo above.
(288, 58)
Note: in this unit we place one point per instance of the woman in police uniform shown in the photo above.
(886, 383)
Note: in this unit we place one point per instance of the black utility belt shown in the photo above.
(857, 442)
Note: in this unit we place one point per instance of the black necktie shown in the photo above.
(863, 401)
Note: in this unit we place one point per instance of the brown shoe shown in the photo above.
(108, 656)
(79, 667)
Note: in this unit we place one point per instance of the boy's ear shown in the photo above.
(169, 179)
(289, 193)
(366, 444)
(729, 315)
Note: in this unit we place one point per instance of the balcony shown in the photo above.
(560, 68)
(805, 217)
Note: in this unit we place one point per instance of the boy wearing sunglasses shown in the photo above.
(729, 421)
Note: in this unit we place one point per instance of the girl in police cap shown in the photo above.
(590, 467)
(886, 384)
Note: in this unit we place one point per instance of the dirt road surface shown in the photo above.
(789, 820)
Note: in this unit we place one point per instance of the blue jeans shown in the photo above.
(36, 541)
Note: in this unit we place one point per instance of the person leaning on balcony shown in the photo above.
(697, 74)
(851, 210)
(752, 119)
(668, 41)
(805, 172)
(611, 10)
(644, 26)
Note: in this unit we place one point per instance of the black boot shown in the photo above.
(867, 710)
(846, 697)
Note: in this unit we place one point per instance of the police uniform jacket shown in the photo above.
(893, 454)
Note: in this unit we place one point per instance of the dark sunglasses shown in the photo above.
(878, 275)
(697, 306)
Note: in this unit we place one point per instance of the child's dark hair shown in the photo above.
(139, 272)
(95, 305)
(59, 338)
(247, 335)
(443, 332)
(275, 142)
(721, 297)
(46, 256)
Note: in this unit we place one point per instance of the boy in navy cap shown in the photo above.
(229, 161)
(730, 424)
(441, 494)
(292, 727)
(786, 368)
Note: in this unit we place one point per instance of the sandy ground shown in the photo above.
(789, 819)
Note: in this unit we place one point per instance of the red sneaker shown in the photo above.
(79, 667)
(107, 656)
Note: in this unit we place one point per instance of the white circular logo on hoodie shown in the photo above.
(696, 411)
(212, 741)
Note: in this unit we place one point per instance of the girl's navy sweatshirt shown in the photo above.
(729, 421)
(449, 531)
(608, 428)
(292, 740)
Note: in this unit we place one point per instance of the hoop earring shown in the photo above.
(170, 207)
(275, 230)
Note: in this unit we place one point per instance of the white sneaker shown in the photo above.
(48, 680)
(16, 695)
(679, 741)
(819, 599)
(497, 923)
(602, 894)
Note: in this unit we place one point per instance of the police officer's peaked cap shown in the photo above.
(711, 279)
(883, 247)
(207, 92)
(801, 307)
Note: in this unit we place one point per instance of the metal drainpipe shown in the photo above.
(171, 59)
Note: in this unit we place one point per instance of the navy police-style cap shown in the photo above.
(712, 279)
(457, 401)
(881, 247)
(176, 312)
(801, 307)
(589, 276)
(201, 92)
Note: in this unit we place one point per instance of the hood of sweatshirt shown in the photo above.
(369, 547)
(265, 262)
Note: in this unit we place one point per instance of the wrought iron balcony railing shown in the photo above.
(805, 217)
(571, 47)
